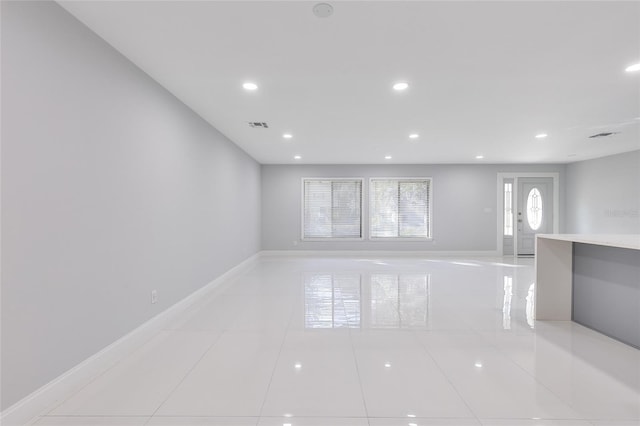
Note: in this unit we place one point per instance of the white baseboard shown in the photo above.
(57, 390)
(383, 253)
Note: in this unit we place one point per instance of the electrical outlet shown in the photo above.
(154, 296)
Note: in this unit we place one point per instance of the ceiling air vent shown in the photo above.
(258, 124)
(603, 135)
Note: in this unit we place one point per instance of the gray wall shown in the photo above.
(111, 187)
(464, 204)
(606, 291)
(603, 195)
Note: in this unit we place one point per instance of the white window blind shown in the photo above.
(332, 208)
(400, 208)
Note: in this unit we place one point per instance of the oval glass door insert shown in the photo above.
(534, 209)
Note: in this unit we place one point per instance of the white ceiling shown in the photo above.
(485, 77)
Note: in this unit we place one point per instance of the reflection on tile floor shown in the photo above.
(353, 341)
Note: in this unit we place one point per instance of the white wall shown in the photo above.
(111, 187)
(603, 195)
(464, 204)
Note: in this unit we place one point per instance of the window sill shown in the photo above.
(330, 239)
(407, 239)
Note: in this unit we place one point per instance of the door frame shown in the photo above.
(555, 177)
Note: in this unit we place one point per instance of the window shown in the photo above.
(332, 208)
(534, 209)
(508, 209)
(400, 208)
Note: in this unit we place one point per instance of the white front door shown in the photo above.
(534, 212)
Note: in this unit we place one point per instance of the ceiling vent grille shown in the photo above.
(603, 135)
(258, 125)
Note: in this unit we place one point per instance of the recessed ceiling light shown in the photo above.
(387, 365)
(414, 136)
(296, 157)
(633, 68)
(478, 365)
(287, 136)
(479, 157)
(297, 366)
(411, 415)
(400, 86)
(387, 157)
(541, 135)
(250, 86)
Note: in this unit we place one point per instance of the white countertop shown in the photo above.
(629, 241)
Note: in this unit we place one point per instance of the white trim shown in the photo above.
(80, 375)
(555, 176)
(380, 253)
(330, 239)
(407, 239)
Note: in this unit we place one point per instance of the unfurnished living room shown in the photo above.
(320, 213)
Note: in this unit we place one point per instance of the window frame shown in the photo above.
(539, 217)
(429, 204)
(507, 211)
(332, 179)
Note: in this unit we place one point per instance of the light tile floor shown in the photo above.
(309, 341)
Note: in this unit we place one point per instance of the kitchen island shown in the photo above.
(593, 280)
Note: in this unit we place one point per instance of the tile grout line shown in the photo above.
(204, 331)
(446, 376)
(275, 366)
(535, 379)
(186, 375)
(47, 411)
(355, 361)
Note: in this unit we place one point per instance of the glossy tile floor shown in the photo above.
(307, 341)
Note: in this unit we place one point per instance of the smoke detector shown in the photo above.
(323, 10)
